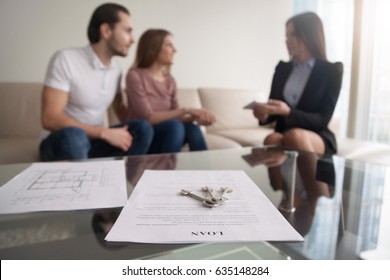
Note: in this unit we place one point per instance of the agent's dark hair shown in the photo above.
(106, 13)
(149, 47)
(308, 27)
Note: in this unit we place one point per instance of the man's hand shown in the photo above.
(118, 137)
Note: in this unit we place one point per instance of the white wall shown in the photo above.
(221, 43)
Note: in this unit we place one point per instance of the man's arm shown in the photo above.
(54, 102)
(53, 118)
(120, 106)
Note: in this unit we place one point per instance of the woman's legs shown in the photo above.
(297, 138)
(194, 137)
(142, 132)
(306, 140)
(168, 137)
(274, 138)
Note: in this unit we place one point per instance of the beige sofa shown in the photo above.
(235, 127)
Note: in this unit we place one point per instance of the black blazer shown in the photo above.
(315, 108)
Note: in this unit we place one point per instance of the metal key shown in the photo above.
(224, 192)
(206, 201)
(210, 192)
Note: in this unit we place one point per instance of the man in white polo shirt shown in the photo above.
(80, 84)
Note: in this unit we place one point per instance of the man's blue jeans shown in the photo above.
(171, 135)
(72, 143)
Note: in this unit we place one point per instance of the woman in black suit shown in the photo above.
(304, 91)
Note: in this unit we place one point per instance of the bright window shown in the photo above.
(379, 111)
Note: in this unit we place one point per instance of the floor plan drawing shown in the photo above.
(55, 179)
(66, 185)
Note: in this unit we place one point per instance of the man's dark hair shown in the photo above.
(106, 13)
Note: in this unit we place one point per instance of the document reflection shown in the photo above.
(103, 221)
(135, 166)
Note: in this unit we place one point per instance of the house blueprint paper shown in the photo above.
(60, 186)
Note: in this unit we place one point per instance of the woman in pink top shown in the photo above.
(151, 93)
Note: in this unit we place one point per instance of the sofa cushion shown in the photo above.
(22, 103)
(246, 136)
(18, 149)
(227, 105)
(215, 141)
(361, 150)
(188, 98)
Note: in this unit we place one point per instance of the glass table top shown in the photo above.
(337, 205)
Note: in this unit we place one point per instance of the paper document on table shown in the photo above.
(157, 212)
(65, 186)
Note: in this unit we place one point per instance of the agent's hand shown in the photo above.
(272, 107)
(260, 111)
(278, 107)
(118, 137)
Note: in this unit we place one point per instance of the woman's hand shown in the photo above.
(202, 117)
(278, 107)
(260, 112)
(272, 107)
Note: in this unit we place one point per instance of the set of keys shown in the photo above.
(210, 201)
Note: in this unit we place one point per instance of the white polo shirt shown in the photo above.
(91, 85)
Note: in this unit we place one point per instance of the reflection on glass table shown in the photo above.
(339, 209)
(336, 203)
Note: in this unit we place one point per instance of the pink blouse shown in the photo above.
(146, 95)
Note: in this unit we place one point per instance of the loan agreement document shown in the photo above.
(58, 186)
(156, 212)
